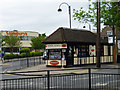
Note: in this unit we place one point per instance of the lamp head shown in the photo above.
(84, 27)
(59, 10)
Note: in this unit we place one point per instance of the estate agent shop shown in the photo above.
(72, 47)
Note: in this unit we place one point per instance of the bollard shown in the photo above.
(89, 70)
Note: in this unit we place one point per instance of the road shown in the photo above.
(76, 81)
(103, 78)
(99, 80)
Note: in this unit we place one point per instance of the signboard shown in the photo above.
(110, 39)
(92, 50)
(17, 33)
(56, 46)
(54, 62)
(109, 33)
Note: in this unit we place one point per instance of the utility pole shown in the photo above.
(116, 43)
(98, 35)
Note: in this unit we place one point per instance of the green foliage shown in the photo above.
(38, 53)
(23, 55)
(32, 54)
(109, 13)
(37, 42)
(24, 50)
(17, 56)
(12, 41)
(0, 39)
(9, 56)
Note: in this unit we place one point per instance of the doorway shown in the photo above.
(70, 56)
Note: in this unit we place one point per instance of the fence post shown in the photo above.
(27, 62)
(48, 79)
(34, 60)
(39, 59)
(89, 70)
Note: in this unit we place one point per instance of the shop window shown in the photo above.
(102, 50)
(83, 51)
(29, 37)
(25, 38)
(20, 37)
(55, 54)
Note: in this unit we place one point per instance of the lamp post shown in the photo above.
(69, 7)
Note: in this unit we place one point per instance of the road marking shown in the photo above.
(100, 84)
(5, 71)
(86, 77)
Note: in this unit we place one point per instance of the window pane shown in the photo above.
(55, 54)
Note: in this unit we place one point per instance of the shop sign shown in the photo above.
(56, 46)
(92, 50)
(17, 33)
(54, 62)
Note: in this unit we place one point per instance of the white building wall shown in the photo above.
(118, 44)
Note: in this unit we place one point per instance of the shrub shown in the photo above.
(16, 56)
(32, 54)
(23, 55)
(25, 50)
(9, 56)
(38, 54)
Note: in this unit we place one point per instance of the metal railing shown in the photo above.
(24, 62)
(66, 79)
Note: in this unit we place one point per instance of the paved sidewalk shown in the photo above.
(43, 67)
(60, 70)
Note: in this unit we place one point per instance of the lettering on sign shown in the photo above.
(54, 46)
(17, 33)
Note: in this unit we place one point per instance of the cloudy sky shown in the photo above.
(38, 15)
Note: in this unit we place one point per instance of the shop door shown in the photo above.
(70, 56)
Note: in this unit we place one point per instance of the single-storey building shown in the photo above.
(74, 47)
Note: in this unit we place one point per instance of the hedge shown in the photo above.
(22, 55)
(9, 56)
(25, 50)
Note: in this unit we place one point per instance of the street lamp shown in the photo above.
(89, 27)
(60, 10)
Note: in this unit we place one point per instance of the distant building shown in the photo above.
(25, 37)
(108, 33)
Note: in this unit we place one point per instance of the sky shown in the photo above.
(38, 15)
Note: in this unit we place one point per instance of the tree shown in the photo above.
(37, 42)
(110, 13)
(0, 39)
(0, 44)
(12, 42)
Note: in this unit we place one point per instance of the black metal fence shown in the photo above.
(72, 79)
(25, 62)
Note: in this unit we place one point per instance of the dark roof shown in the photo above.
(71, 35)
